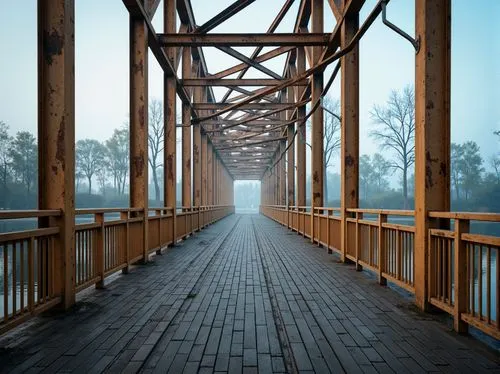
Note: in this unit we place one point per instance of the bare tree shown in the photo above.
(89, 158)
(103, 173)
(78, 179)
(365, 175)
(331, 137)
(455, 160)
(5, 161)
(118, 157)
(155, 140)
(380, 168)
(495, 164)
(396, 131)
(24, 155)
(331, 142)
(495, 160)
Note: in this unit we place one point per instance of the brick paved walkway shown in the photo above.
(244, 295)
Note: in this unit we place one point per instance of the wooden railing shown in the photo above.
(106, 241)
(27, 269)
(463, 268)
(464, 273)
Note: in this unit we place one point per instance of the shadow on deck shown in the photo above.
(243, 295)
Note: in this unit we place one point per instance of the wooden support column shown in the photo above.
(301, 136)
(432, 128)
(276, 182)
(219, 182)
(204, 164)
(186, 133)
(169, 152)
(139, 124)
(349, 147)
(56, 136)
(291, 150)
(210, 169)
(282, 171)
(231, 190)
(317, 163)
(197, 155)
(215, 180)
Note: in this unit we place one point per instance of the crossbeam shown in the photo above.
(249, 106)
(243, 40)
(235, 82)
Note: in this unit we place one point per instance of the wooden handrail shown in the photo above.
(17, 214)
(487, 217)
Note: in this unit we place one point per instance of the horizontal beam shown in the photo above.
(247, 124)
(246, 145)
(214, 40)
(249, 106)
(235, 82)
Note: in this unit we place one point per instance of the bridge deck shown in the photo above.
(244, 295)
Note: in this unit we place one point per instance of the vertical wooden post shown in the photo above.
(329, 250)
(358, 240)
(282, 171)
(139, 124)
(461, 281)
(301, 136)
(317, 118)
(186, 132)
(56, 135)
(197, 160)
(349, 148)
(204, 163)
(125, 216)
(210, 168)
(432, 128)
(381, 251)
(100, 249)
(159, 213)
(214, 176)
(170, 114)
(291, 141)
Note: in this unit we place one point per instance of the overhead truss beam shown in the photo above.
(243, 40)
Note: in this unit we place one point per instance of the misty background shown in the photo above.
(386, 83)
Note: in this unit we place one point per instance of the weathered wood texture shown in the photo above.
(243, 295)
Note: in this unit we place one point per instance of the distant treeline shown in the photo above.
(101, 176)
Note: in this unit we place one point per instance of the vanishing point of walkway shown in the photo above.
(244, 295)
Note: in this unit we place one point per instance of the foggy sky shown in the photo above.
(386, 62)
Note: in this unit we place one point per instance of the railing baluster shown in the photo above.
(5, 282)
(100, 249)
(382, 218)
(488, 284)
(14, 278)
(22, 276)
(448, 272)
(125, 216)
(480, 282)
(31, 275)
(497, 282)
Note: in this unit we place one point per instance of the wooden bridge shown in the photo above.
(197, 288)
(243, 295)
